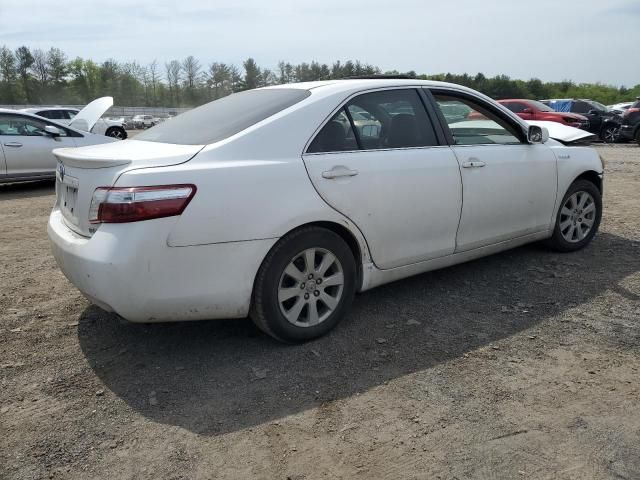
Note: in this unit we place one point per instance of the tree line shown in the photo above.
(36, 76)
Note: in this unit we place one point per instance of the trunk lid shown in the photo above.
(81, 170)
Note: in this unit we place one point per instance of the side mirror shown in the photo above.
(52, 131)
(527, 110)
(537, 134)
(594, 112)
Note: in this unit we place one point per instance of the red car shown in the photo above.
(534, 110)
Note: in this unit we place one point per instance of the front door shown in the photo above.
(27, 147)
(509, 185)
(378, 162)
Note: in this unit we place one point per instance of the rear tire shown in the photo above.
(638, 137)
(304, 286)
(116, 132)
(578, 217)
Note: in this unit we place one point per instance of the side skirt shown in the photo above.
(373, 277)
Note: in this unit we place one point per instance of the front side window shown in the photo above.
(378, 120)
(482, 126)
(24, 126)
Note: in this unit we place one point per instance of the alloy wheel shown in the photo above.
(577, 217)
(116, 134)
(311, 287)
(610, 134)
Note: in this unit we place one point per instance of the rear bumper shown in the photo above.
(130, 269)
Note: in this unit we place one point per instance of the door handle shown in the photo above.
(473, 163)
(339, 171)
(12, 144)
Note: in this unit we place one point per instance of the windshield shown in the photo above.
(224, 117)
(599, 106)
(541, 106)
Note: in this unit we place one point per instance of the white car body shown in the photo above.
(407, 211)
(26, 152)
(144, 121)
(67, 116)
(620, 108)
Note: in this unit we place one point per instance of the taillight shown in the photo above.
(134, 204)
(630, 111)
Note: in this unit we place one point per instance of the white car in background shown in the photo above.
(620, 108)
(27, 141)
(263, 203)
(143, 121)
(65, 115)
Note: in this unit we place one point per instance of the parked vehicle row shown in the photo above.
(284, 201)
(602, 121)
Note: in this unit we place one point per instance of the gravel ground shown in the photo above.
(520, 365)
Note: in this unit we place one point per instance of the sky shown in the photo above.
(579, 40)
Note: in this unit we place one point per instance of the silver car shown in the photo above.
(27, 140)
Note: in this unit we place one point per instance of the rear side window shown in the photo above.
(581, 107)
(336, 136)
(224, 117)
(378, 120)
(53, 114)
(515, 107)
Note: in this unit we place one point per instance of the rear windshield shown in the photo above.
(224, 117)
(541, 106)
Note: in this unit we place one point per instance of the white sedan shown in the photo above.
(27, 141)
(276, 203)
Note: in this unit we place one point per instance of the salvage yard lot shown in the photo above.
(525, 364)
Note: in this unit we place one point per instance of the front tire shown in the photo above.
(304, 286)
(578, 217)
(609, 133)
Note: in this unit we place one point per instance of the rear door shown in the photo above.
(3, 163)
(509, 185)
(379, 162)
(27, 147)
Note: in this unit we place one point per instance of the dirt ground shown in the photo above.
(524, 365)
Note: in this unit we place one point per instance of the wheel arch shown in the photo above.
(591, 176)
(348, 236)
(116, 127)
(343, 232)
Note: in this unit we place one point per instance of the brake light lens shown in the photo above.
(135, 204)
(630, 111)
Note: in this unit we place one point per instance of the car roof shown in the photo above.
(367, 83)
(47, 109)
(27, 112)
